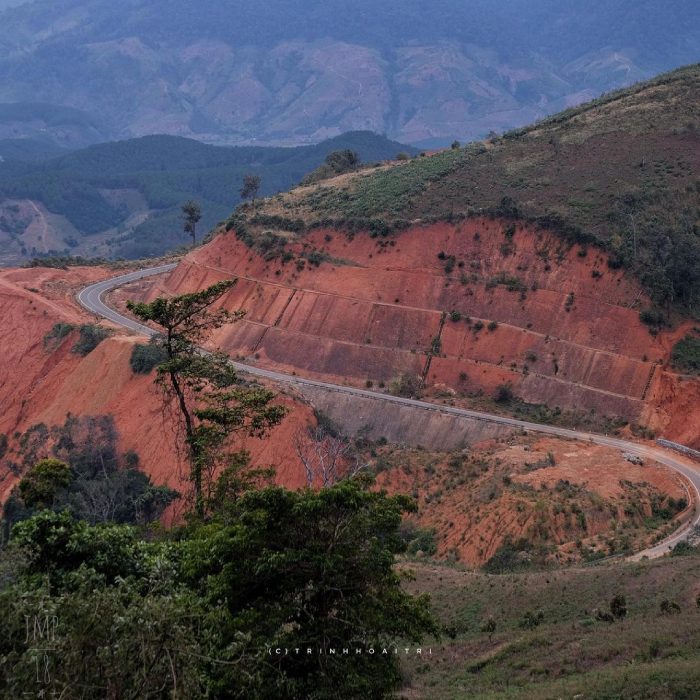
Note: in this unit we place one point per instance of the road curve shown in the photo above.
(92, 299)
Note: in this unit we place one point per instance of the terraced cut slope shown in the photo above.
(561, 336)
(524, 263)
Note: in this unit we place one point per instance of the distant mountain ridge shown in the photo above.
(292, 72)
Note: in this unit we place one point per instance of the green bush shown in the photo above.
(686, 354)
(504, 394)
(54, 337)
(652, 317)
(91, 335)
(144, 358)
(423, 541)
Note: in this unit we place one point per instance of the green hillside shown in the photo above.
(554, 634)
(621, 172)
(165, 171)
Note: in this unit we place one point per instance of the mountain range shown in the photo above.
(292, 72)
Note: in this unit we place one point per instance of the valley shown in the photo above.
(291, 409)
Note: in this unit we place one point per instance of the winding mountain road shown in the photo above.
(92, 299)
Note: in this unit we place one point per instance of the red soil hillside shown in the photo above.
(40, 384)
(568, 332)
(573, 498)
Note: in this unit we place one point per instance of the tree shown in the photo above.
(504, 394)
(209, 398)
(251, 187)
(489, 627)
(90, 478)
(44, 482)
(618, 607)
(194, 614)
(191, 215)
(336, 163)
(327, 457)
(343, 161)
(310, 569)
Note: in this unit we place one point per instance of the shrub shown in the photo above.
(455, 316)
(424, 541)
(683, 549)
(670, 607)
(510, 557)
(504, 394)
(652, 317)
(403, 156)
(407, 386)
(144, 358)
(54, 337)
(618, 606)
(686, 354)
(493, 325)
(91, 335)
(531, 620)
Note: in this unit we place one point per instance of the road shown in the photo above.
(92, 299)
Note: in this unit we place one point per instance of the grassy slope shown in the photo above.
(649, 655)
(621, 172)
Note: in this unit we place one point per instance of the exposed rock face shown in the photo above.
(549, 328)
(42, 384)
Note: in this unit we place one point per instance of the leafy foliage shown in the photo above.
(686, 354)
(272, 569)
(336, 163)
(77, 467)
(208, 396)
(91, 335)
(54, 337)
(145, 358)
(43, 482)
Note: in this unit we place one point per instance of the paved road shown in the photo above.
(91, 299)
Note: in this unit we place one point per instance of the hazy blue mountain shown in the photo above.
(299, 71)
(123, 198)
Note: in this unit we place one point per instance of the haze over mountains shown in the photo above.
(292, 72)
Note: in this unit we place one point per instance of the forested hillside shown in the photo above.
(123, 198)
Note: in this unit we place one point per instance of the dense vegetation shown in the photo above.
(165, 171)
(77, 468)
(686, 355)
(621, 172)
(201, 611)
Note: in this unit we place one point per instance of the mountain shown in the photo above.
(290, 72)
(62, 127)
(621, 173)
(123, 198)
(549, 272)
(29, 150)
